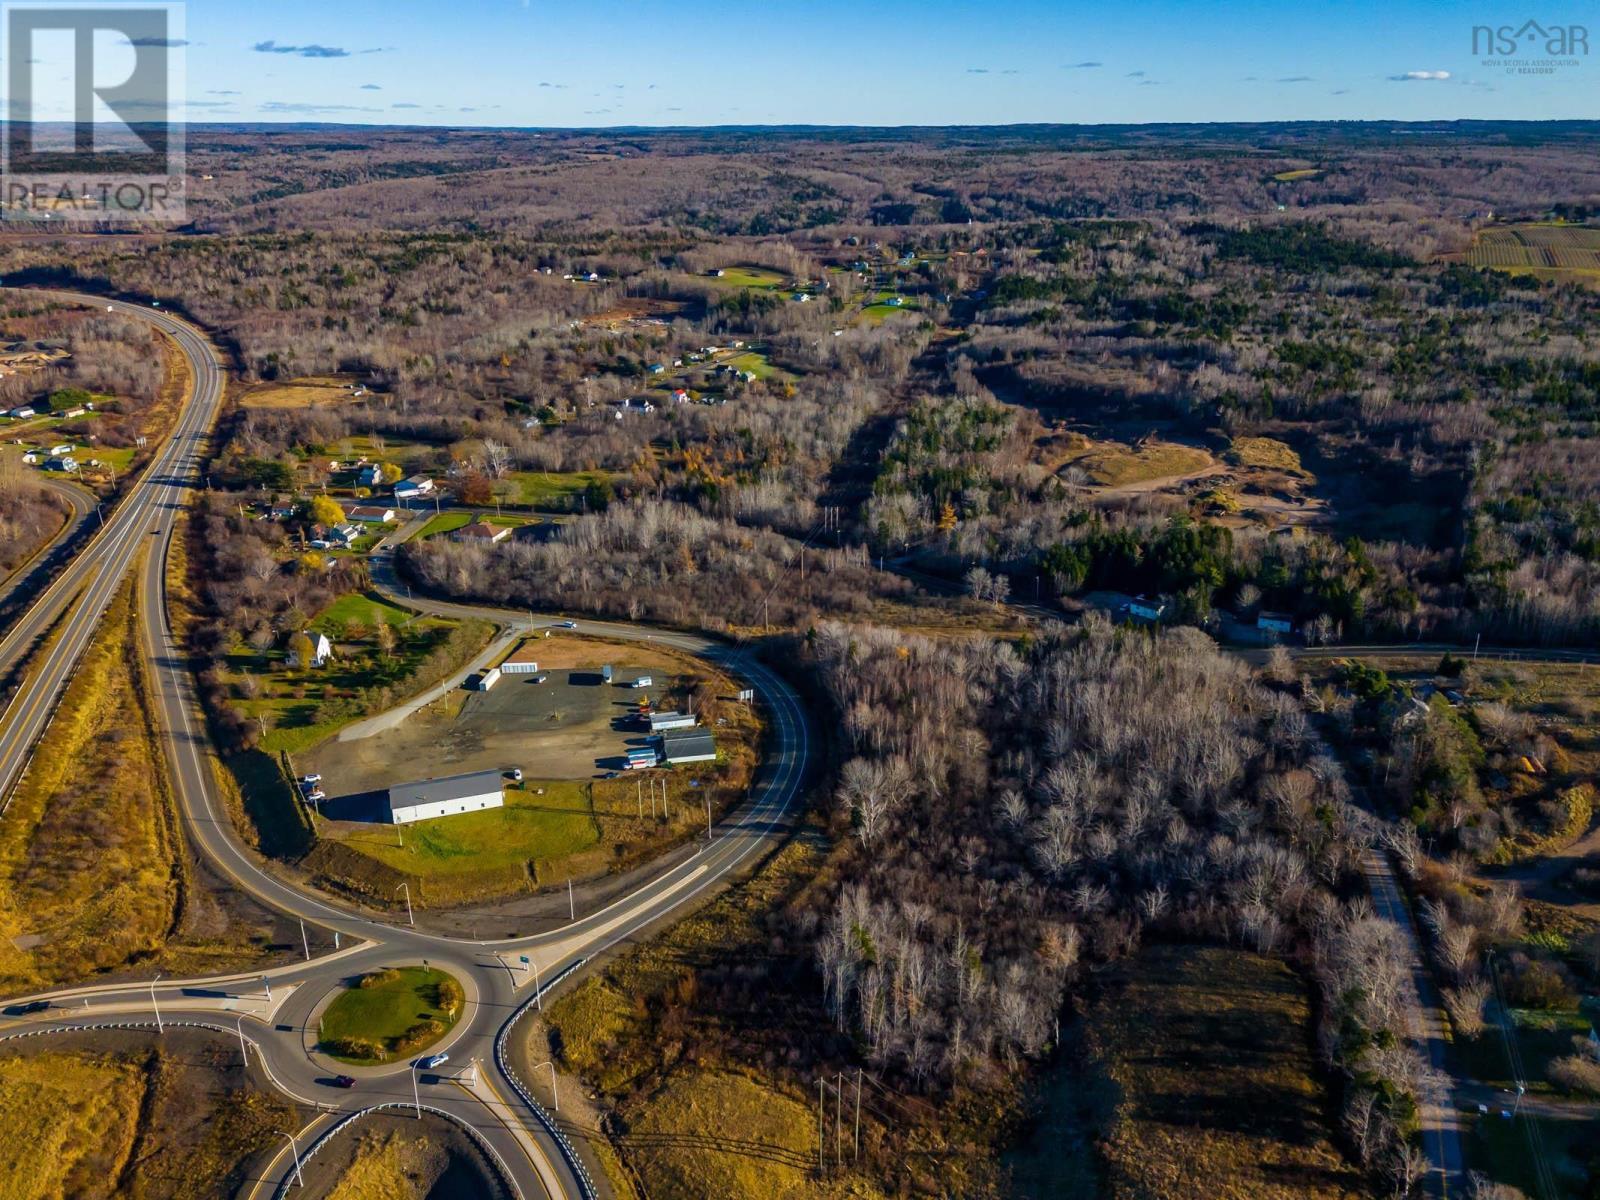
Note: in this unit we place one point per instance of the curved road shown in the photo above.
(276, 1012)
(79, 505)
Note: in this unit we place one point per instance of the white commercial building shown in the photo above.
(442, 797)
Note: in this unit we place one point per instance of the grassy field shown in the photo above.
(757, 364)
(157, 1124)
(521, 841)
(363, 608)
(748, 277)
(1297, 174)
(559, 490)
(67, 1124)
(1113, 465)
(90, 865)
(396, 1012)
(1209, 1053)
(310, 392)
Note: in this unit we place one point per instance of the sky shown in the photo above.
(881, 62)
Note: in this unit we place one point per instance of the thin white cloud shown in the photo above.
(1420, 77)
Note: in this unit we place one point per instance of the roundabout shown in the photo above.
(390, 1014)
(277, 1017)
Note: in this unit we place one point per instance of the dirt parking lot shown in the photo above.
(572, 726)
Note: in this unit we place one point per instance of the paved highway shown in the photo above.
(278, 1012)
(80, 503)
(80, 594)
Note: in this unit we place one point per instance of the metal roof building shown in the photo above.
(692, 745)
(441, 797)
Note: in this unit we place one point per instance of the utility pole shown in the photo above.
(294, 1151)
(572, 912)
(244, 1051)
(1476, 642)
(857, 1154)
(305, 942)
(538, 988)
(416, 1094)
(159, 1027)
(410, 918)
(638, 794)
(838, 1121)
(267, 983)
(821, 1145)
(708, 816)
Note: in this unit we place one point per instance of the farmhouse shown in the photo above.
(372, 514)
(440, 797)
(321, 651)
(692, 745)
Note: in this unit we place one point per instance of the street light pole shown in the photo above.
(416, 1095)
(555, 1096)
(538, 988)
(304, 941)
(572, 912)
(294, 1151)
(410, 919)
(244, 1051)
(159, 1027)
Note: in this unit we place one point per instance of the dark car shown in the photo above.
(342, 1081)
(23, 1010)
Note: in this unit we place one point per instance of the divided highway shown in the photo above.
(80, 594)
(277, 1012)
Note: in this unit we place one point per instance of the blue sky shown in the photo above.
(891, 62)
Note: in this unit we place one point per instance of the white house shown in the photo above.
(415, 486)
(22, 413)
(442, 797)
(62, 448)
(371, 514)
(660, 722)
(321, 651)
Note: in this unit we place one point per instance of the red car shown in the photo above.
(344, 1081)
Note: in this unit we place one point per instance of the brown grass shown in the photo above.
(310, 392)
(1210, 1053)
(93, 872)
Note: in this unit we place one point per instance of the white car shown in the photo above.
(516, 774)
(433, 1060)
(310, 780)
(314, 797)
(566, 624)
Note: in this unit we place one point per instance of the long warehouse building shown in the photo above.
(441, 797)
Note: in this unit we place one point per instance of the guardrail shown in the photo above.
(340, 1126)
(503, 1061)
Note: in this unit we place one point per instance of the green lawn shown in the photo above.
(528, 829)
(299, 708)
(364, 608)
(757, 364)
(451, 521)
(407, 1010)
(749, 277)
(1502, 1150)
(540, 489)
